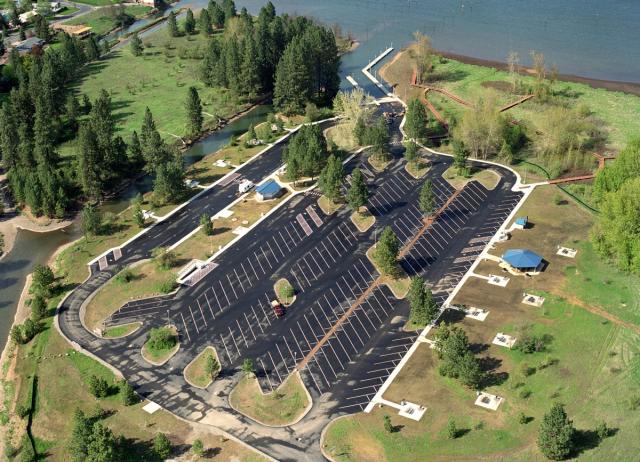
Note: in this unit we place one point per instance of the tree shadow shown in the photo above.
(452, 75)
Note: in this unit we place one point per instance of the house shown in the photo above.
(28, 45)
(151, 3)
(26, 17)
(522, 260)
(269, 190)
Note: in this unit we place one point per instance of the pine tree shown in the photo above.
(204, 23)
(194, 112)
(250, 69)
(378, 137)
(9, 139)
(91, 220)
(460, 156)
(212, 367)
(358, 193)
(189, 23)
(89, 160)
(216, 14)
(415, 125)
(92, 49)
(427, 199)
(136, 159)
(162, 446)
(411, 152)
(416, 298)
(136, 45)
(556, 435)
(154, 151)
(229, 9)
(172, 25)
(206, 224)
(197, 448)
(232, 64)
(386, 252)
(168, 186)
(102, 446)
(129, 396)
(293, 82)
(80, 435)
(331, 177)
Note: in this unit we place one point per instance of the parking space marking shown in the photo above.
(232, 288)
(201, 313)
(194, 320)
(267, 375)
(314, 216)
(185, 326)
(234, 341)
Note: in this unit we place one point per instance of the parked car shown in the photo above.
(278, 309)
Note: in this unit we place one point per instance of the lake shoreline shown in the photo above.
(611, 85)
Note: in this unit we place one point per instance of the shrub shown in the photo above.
(247, 366)
(532, 343)
(22, 411)
(527, 370)
(166, 286)
(38, 308)
(164, 259)
(162, 338)
(125, 276)
(602, 430)
(198, 448)
(287, 291)
(522, 418)
(388, 426)
(452, 430)
(129, 396)
(162, 446)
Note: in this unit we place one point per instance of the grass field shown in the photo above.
(587, 357)
(147, 281)
(619, 112)
(122, 330)
(160, 80)
(102, 22)
(60, 369)
(281, 407)
(328, 206)
(196, 372)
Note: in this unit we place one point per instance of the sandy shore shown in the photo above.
(11, 226)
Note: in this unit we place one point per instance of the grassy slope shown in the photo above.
(156, 81)
(595, 356)
(101, 22)
(619, 111)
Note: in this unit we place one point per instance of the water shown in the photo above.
(36, 248)
(590, 38)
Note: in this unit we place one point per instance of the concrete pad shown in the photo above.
(566, 252)
(498, 280)
(489, 401)
(504, 340)
(220, 163)
(412, 411)
(151, 407)
(224, 213)
(240, 231)
(476, 313)
(533, 300)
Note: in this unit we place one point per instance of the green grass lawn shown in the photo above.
(159, 79)
(121, 330)
(280, 407)
(597, 283)
(98, 2)
(102, 22)
(196, 372)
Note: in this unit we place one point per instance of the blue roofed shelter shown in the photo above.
(521, 222)
(269, 190)
(522, 259)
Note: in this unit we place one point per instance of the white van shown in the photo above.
(245, 185)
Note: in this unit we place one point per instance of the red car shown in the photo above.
(278, 309)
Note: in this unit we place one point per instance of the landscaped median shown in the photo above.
(363, 219)
(284, 406)
(485, 176)
(285, 292)
(398, 281)
(121, 330)
(161, 345)
(202, 371)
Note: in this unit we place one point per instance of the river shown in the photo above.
(584, 37)
(33, 248)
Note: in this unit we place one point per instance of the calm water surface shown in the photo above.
(598, 39)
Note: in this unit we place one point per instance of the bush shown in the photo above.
(98, 387)
(162, 338)
(166, 286)
(602, 430)
(164, 259)
(125, 276)
(522, 418)
(286, 291)
(452, 430)
(129, 396)
(22, 411)
(38, 308)
(162, 446)
(532, 343)
(197, 448)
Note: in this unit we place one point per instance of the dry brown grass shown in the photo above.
(195, 373)
(363, 221)
(280, 407)
(328, 206)
(486, 177)
(417, 169)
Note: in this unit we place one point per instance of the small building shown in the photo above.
(26, 17)
(29, 45)
(521, 222)
(151, 3)
(522, 260)
(79, 30)
(269, 190)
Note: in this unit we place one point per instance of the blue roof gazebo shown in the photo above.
(521, 222)
(269, 190)
(522, 259)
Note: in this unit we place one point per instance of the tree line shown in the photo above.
(293, 57)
